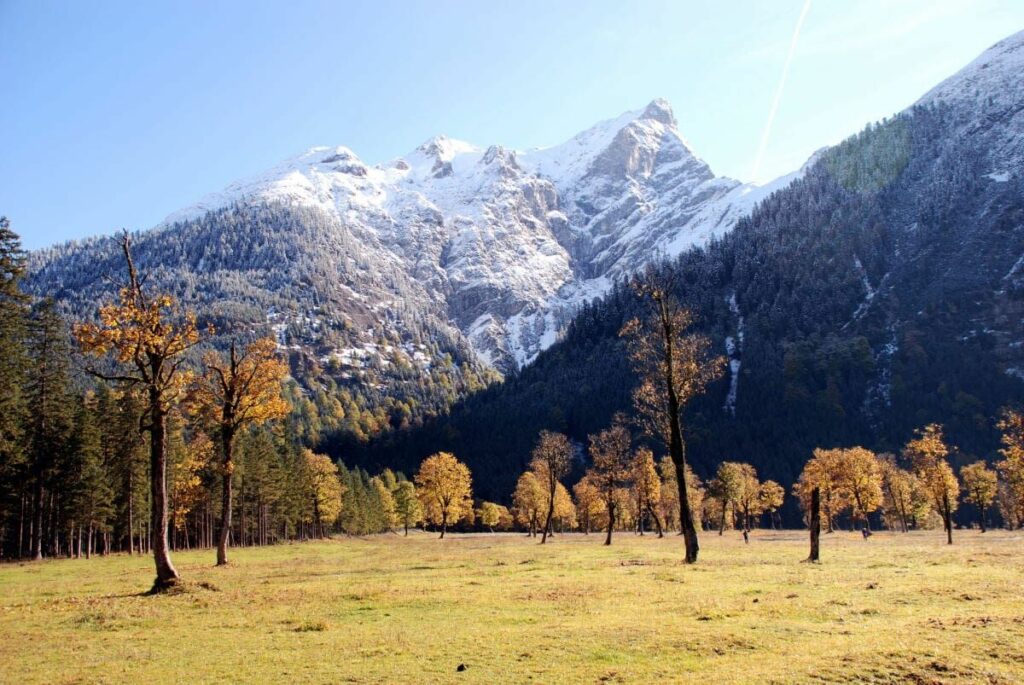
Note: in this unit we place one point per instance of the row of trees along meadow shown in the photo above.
(625, 489)
(165, 449)
(168, 449)
(919, 488)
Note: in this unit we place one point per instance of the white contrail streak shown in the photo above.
(766, 133)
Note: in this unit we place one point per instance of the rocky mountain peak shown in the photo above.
(660, 110)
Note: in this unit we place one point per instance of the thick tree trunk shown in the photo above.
(227, 443)
(166, 575)
(815, 524)
(547, 521)
(611, 522)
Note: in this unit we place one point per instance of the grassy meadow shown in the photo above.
(387, 609)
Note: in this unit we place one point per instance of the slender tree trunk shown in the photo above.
(657, 521)
(227, 442)
(21, 525)
(947, 518)
(37, 522)
(166, 575)
(815, 524)
(444, 523)
(131, 510)
(721, 523)
(676, 448)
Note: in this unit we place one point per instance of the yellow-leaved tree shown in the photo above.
(1011, 468)
(673, 367)
(646, 489)
(589, 506)
(609, 450)
(445, 488)
(771, 495)
(147, 336)
(859, 475)
(981, 485)
(323, 490)
(551, 460)
(822, 473)
(927, 452)
(237, 390)
(490, 515)
(528, 502)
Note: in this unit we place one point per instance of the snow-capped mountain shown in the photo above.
(510, 242)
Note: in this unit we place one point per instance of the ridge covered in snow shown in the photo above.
(512, 242)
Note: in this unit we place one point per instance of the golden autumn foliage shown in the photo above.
(241, 388)
(550, 460)
(148, 337)
(820, 472)
(238, 390)
(563, 514)
(1011, 468)
(445, 489)
(646, 487)
(323, 490)
(927, 452)
(589, 505)
(859, 474)
(491, 516)
(772, 495)
(669, 503)
(673, 367)
(981, 485)
(529, 501)
(185, 488)
(609, 452)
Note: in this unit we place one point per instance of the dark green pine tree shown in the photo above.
(13, 366)
(49, 428)
(90, 509)
(124, 452)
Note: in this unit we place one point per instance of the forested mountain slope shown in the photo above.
(881, 291)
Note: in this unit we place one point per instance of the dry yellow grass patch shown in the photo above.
(387, 609)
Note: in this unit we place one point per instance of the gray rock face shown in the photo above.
(506, 244)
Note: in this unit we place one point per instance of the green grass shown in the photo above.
(893, 609)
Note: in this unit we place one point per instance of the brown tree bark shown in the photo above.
(611, 521)
(227, 442)
(551, 510)
(166, 575)
(947, 518)
(815, 524)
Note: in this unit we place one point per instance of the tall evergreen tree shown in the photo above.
(13, 364)
(49, 430)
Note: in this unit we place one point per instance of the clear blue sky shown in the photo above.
(116, 114)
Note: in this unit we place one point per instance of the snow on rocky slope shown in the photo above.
(512, 242)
